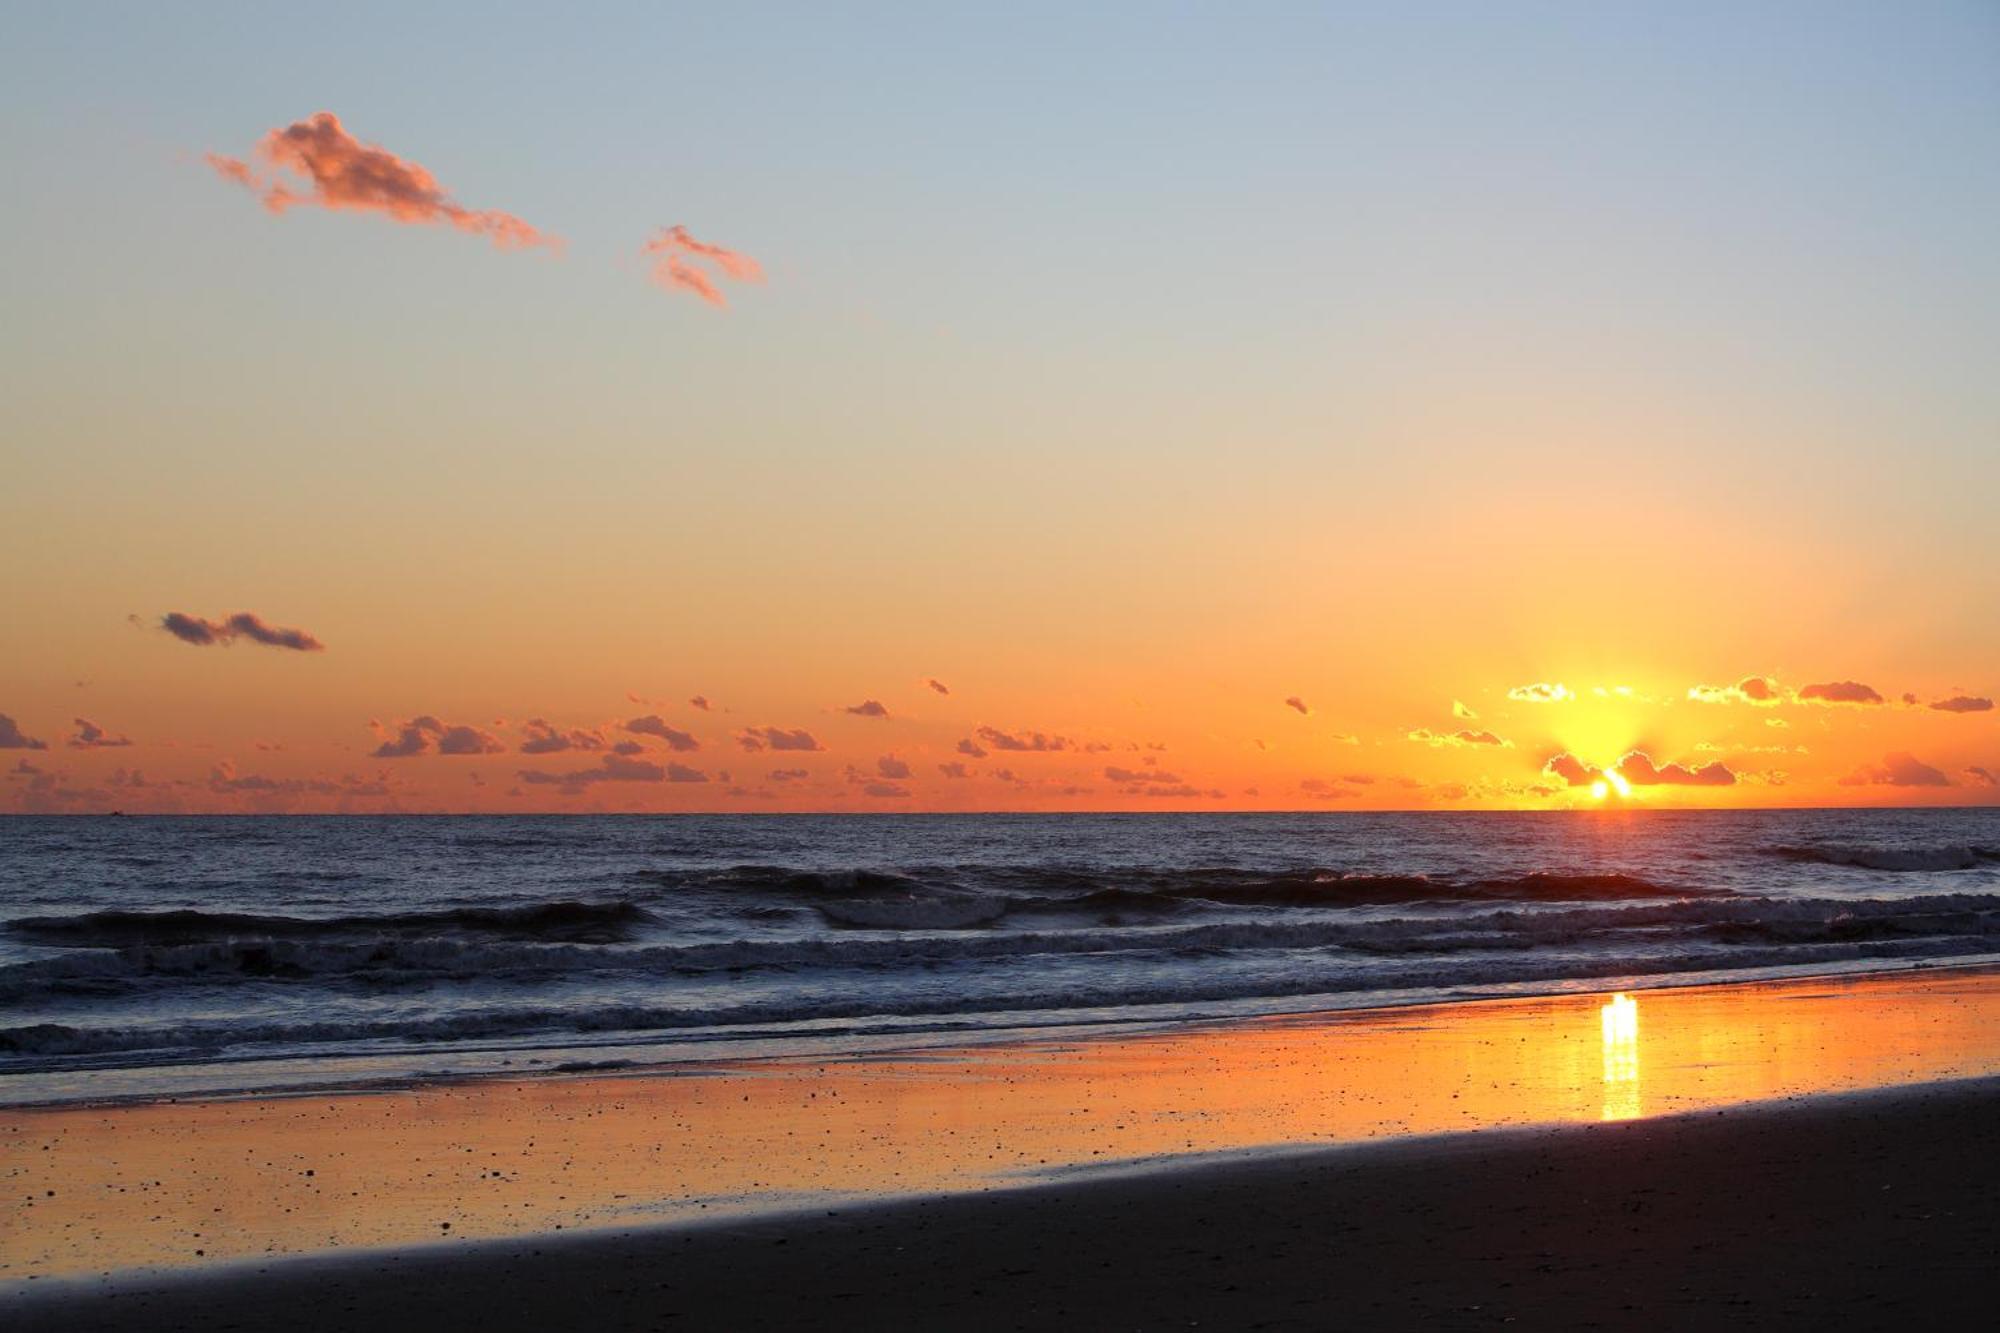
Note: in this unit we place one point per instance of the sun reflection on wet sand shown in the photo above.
(1619, 1019)
(189, 1182)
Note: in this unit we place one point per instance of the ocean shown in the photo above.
(150, 956)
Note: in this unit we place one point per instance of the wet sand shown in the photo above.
(548, 1195)
(1874, 1210)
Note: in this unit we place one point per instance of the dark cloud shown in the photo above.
(680, 742)
(938, 685)
(90, 736)
(613, 768)
(542, 738)
(889, 766)
(1137, 776)
(700, 701)
(12, 739)
(1298, 706)
(790, 774)
(1901, 769)
(242, 625)
(1983, 776)
(1639, 769)
(1963, 703)
(1023, 742)
(955, 770)
(972, 749)
(425, 733)
(883, 790)
(1839, 692)
(777, 738)
(868, 708)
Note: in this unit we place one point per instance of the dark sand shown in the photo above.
(1873, 1210)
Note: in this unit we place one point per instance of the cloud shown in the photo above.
(12, 739)
(1298, 705)
(545, 739)
(1639, 769)
(1759, 690)
(1463, 713)
(1963, 703)
(776, 738)
(422, 734)
(1901, 769)
(889, 766)
(242, 625)
(676, 255)
(938, 685)
(954, 770)
(343, 174)
(1141, 776)
(790, 774)
(1022, 742)
(613, 768)
(1540, 693)
(971, 748)
(1425, 736)
(885, 790)
(1571, 770)
(90, 736)
(680, 742)
(1839, 692)
(700, 701)
(1983, 776)
(868, 708)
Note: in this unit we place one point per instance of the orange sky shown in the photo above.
(1388, 364)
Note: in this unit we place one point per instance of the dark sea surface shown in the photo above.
(142, 955)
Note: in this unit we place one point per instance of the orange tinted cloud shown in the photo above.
(1425, 736)
(423, 734)
(541, 738)
(1963, 703)
(1021, 742)
(1839, 692)
(653, 725)
(868, 708)
(1760, 690)
(12, 739)
(777, 738)
(938, 685)
(1896, 770)
(1983, 776)
(1571, 770)
(243, 625)
(90, 736)
(1298, 706)
(1541, 692)
(1638, 769)
(613, 768)
(677, 254)
(340, 172)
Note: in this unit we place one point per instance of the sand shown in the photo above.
(1872, 1210)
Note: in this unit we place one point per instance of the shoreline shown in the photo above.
(666, 1055)
(1868, 1209)
(192, 1184)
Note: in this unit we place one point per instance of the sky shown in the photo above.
(521, 408)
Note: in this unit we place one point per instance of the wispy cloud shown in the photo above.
(1760, 690)
(1022, 742)
(337, 171)
(1435, 739)
(678, 257)
(1541, 692)
(613, 768)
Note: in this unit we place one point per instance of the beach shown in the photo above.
(1772, 1150)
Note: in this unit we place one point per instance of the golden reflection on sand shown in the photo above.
(92, 1189)
(1619, 1022)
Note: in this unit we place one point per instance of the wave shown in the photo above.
(1900, 859)
(564, 920)
(370, 965)
(37, 1042)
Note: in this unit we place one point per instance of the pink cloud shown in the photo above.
(676, 254)
(341, 173)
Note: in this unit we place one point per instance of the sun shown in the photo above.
(1612, 781)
